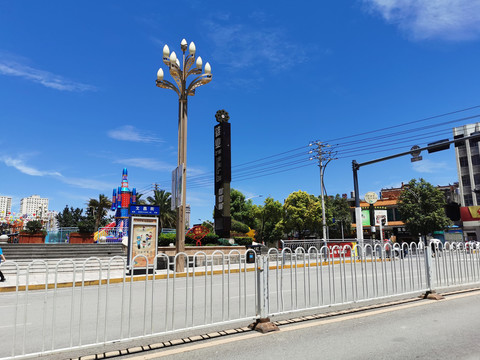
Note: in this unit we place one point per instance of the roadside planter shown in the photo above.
(78, 238)
(26, 238)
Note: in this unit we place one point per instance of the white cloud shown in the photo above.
(20, 165)
(23, 168)
(16, 67)
(452, 20)
(130, 133)
(241, 46)
(86, 183)
(147, 163)
(429, 166)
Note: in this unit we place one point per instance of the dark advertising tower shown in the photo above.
(223, 174)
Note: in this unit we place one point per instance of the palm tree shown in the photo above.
(140, 201)
(162, 199)
(99, 208)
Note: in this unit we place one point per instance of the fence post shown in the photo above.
(430, 294)
(263, 323)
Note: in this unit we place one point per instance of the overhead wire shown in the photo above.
(288, 160)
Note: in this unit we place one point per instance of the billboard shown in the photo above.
(143, 241)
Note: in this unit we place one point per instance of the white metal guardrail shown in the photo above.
(56, 311)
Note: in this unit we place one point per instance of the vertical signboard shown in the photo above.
(143, 241)
(223, 174)
(177, 189)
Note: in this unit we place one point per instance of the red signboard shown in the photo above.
(343, 249)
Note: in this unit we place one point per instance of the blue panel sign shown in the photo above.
(144, 210)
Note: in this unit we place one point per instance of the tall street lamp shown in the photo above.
(180, 73)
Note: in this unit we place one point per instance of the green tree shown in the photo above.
(339, 216)
(34, 226)
(302, 214)
(99, 208)
(241, 209)
(139, 200)
(422, 208)
(69, 217)
(162, 199)
(268, 217)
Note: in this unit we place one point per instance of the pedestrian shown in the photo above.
(2, 258)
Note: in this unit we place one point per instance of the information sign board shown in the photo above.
(143, 241)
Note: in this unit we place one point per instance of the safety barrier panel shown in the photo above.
(100, 303)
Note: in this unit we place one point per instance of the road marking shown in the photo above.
(304, 325)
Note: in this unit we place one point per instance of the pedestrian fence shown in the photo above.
(58, 311)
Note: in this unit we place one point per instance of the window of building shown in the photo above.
(463, 161)
(466, 180)
(475, 159)
(468, 200)
(476, 178)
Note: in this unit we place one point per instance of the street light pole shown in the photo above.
(180, 73)
(324, 158)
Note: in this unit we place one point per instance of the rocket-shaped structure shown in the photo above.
(121, 201)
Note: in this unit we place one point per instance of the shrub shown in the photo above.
(166, 239)
(86, 226)
(211, 239)
(243, 241)
(239, 227)
(34, 226)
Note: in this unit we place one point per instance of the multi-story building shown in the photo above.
(34, 205)
(5, 205)
(467, 155)
(468, 164)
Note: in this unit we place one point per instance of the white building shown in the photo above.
(5, 205)
(34, 205)
(467, 155)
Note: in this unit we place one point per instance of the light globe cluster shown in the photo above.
(180, 72)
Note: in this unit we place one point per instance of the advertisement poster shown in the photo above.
(143, 241)
(365, 217)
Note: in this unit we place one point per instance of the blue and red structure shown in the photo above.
(121, 201)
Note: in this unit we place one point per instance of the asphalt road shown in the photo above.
(424, 329)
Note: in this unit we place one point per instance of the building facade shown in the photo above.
(467, 156)
(34, 205)
(5, 206)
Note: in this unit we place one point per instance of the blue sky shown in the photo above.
(78, 98)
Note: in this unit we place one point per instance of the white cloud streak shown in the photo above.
(130, 133)
(242, 46)
(146, 163)
(10, 67)
(25, 169)
(451, 20)
(429, 167)
(20, 165)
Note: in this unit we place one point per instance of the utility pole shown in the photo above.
(324, 154)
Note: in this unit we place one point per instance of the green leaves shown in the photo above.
(422, 208)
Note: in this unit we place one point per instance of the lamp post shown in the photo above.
(180, 73)
(253, 197)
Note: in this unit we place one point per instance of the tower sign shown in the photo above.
(223, 174)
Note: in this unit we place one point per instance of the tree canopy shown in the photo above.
(241, 209)
(268, 218)
(302, 214)
(99, 209)
(421, 207)
(338, 216)
(162, 199)
(69, 217)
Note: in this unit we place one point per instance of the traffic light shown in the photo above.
(439, 145)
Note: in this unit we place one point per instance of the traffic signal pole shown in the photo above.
(433, 147)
